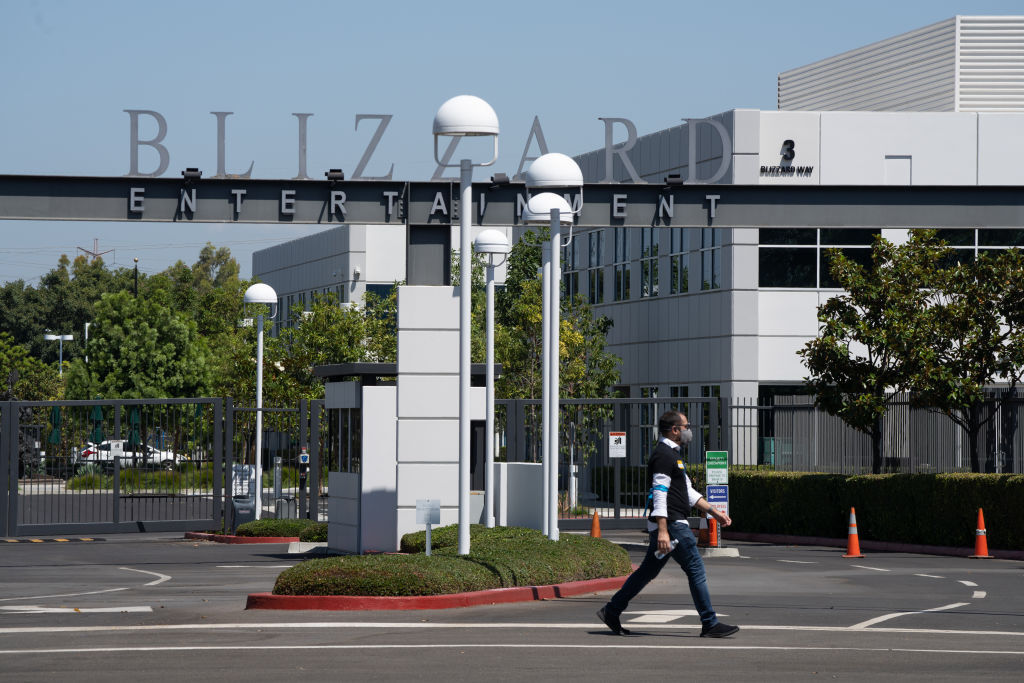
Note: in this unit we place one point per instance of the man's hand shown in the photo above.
(723, 519)
(664, 542)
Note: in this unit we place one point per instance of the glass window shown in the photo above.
(864, 236)
(957, 237)
(622, 282)
(787, 267)
(861, 256)
(806, 236)
(711, 269)
(595, 284)
(680, 275)
(596, 248)
(989, 237)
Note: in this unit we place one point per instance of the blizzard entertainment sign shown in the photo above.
(611, 149)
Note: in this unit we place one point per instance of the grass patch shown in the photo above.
(500, 558)
(274, 527)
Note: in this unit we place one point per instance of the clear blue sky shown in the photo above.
(70, 68)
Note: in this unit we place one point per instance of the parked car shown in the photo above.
(105, 453)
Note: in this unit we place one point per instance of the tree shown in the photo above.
(139, 348)
(24, 377)
(873, 340)
(976, 339)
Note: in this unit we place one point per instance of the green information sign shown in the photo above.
(717, 471)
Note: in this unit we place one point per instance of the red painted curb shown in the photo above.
(878, 546)
(379, 602)
(224, 538)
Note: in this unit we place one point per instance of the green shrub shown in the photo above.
(89, 481)
(929, 509)
(499, 557)
(273, 527)
(314, 533)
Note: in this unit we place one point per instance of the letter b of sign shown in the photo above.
(788, 150)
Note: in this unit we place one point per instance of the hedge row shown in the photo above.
(499, 558)
(930, 509)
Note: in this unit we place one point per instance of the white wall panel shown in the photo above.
(428, 351)
(1001, 148)
(428, 396)
(787, 312)
(943, 147)
(428, 440)
(777, 360)
(428, 308)
(428, 480)
(385, 253)
(804, 129)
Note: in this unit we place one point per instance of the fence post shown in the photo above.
(304, 416)
(314, 459)
(229, 464)
(218, 468)
(9, 468)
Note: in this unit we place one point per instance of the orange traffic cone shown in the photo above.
(980, 540)
(852, 542)
(595, 526)
(712, 533)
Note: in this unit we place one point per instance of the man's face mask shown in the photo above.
(686, 435)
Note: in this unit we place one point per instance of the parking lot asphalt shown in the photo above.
(109, 608)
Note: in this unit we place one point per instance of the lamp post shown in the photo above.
(61, 338)
(465, 116)
(552, 171)
(492, 243)
(260, 293)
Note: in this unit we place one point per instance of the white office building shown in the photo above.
(722, 310)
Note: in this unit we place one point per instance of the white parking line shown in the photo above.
(64, 595)
(797, 561)
(342, 625)
(36, 609)
(161, 579)
(969, 583)
(874, 569)
(978, 595)
(930, 576)
(886, 617)
(505, 646)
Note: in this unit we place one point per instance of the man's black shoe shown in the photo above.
(719, 630)
(612, 622)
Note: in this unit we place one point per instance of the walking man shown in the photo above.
(673, 497)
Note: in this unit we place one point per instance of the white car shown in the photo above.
(106, 452)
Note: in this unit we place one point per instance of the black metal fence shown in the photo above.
(107, 466)
(791, 434)
(589, 479)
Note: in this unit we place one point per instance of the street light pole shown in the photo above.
(264, 294)
(490, 243)
(60, 338)
(552, 171)
(464, 116)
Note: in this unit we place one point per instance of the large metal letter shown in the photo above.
(611, 150)
(338, 199)
(535, 132)
(445, 160)
(302, 147)
(221, 172)
(385, 119)
(438, 205)
(188, 197)
(135, 198)
(691, 124)
(161, 133)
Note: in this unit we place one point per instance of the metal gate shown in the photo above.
(108, 466)
(290, 487)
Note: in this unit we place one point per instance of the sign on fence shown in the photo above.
(616, 444)
(718, 498)
(717, 471)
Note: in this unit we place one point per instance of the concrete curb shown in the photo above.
(375, 602)
(224, 538)
(878, 546)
